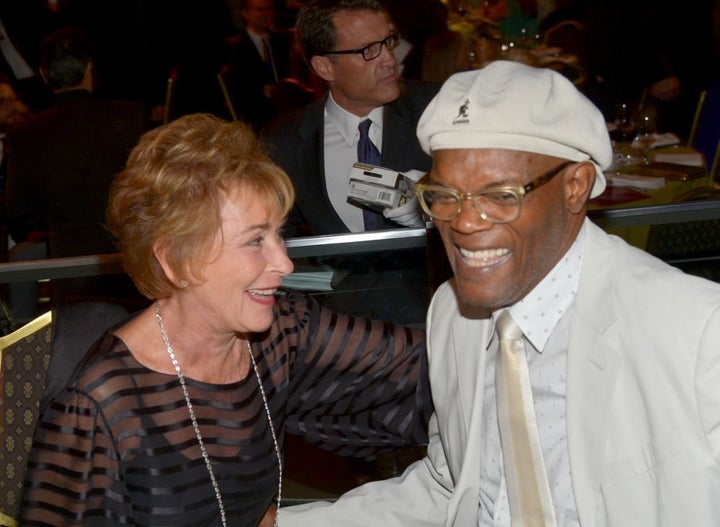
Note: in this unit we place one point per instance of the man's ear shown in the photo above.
(579, 181)
(324, 67)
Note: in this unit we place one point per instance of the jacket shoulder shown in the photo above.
(298, 123)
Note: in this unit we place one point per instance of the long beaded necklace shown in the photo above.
(196, 428)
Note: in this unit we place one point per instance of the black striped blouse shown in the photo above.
(117, 446)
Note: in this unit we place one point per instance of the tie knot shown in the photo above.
(507, 328)
(364, 127)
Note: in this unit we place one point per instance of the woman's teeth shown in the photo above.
(262, 293)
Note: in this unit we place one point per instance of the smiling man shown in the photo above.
(601, 407)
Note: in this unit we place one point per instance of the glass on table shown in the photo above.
(625, 121)
(646, 132)
(623, 132)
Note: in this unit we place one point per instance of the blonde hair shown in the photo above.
(172, 190)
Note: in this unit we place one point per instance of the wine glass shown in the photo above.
(625, 121)
(646, 132)
(625, 150)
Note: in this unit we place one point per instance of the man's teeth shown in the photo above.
(484, 257)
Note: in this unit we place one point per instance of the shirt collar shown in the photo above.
(257, 38)
(539, 312)
(347, 123)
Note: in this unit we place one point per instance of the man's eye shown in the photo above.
(500, 198)
(441, 197)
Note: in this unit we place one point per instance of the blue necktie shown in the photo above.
(368, 153)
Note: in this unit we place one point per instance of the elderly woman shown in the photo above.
(178, 416)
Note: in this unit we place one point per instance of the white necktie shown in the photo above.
(528, 489)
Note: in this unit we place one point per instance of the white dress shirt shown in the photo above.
(543, 317)
(340, 151)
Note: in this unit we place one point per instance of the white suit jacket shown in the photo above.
(643, 406)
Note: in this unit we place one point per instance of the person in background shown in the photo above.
(350, 45)
(61, 161)
(260, 57)
(22, 25)
(650, 56)
(445, 51)
(618, 422)
(178, 416)
(12, 110)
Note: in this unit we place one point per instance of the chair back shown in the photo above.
(705, 131)
(75, 329)
(170, 96)
(715, 167)
(229, 104)
(36, 362)
(24, 359)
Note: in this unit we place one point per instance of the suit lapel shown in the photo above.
(463, 427)
(309, 156)
(593, 364)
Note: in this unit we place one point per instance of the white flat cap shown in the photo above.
(510, 105)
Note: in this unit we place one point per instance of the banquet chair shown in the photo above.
(715, 168)
(229, 104)
(168, 107)
(24, 360)
(36, 362)
(705, 130)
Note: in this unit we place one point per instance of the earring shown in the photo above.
(183, 284)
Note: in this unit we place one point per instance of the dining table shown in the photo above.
(642, 182)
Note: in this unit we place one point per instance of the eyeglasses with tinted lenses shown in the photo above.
(372, 50)
(497, 205)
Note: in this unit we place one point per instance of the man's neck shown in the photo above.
(259, 33)
(361, 110)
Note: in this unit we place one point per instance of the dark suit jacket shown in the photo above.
(296, 143)
(247, 75)
(61, 162)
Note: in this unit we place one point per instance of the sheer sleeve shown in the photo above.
(356, 386)
(74, 468)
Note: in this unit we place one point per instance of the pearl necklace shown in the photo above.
(196, 428)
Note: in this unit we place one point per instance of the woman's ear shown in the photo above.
(159, 252)
(579, 181)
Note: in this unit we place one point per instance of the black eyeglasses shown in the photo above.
(372, 50)
(498, 204)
